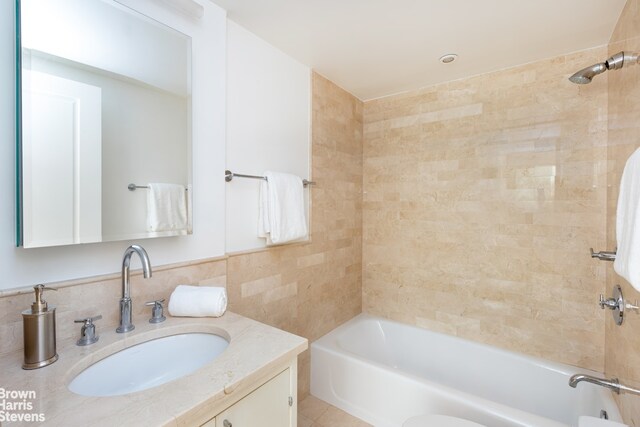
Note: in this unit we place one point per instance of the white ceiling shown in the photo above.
(374, 48)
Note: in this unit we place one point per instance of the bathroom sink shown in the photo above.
(149, 364)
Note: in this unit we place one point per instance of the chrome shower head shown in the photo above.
(616, 62)
(585, 75)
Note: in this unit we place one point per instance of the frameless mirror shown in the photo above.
(104, 101)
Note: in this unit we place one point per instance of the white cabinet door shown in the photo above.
(267, 406)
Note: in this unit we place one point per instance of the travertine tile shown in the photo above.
(304, 421)
(334, 417)
(313, 412)
(89, 297)
(622, 346)
(256, 353)
(480, 203)
(312, 407)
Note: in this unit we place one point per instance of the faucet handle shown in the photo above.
(632, 306)
(88, 320)
(609, 302)
(88, 330)
(157, 313)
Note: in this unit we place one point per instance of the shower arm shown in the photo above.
(615, 62)
(620, 59)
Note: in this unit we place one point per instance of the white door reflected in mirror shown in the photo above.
(62, 186)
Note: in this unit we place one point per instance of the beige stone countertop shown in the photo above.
(256, 352)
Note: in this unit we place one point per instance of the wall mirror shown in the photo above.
(104, 101)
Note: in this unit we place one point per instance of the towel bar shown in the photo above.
(133, 187)
(228, 176)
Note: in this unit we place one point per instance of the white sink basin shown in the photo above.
(148, 364)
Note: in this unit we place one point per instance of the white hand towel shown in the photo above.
(198, 301)
(281, 217)
(166, 207)
(627, 263)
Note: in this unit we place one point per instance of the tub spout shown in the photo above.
(613, 383)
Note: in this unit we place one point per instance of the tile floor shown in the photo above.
(313, 412)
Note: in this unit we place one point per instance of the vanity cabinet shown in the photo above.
(272, 404)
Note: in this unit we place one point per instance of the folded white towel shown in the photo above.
(166, 207)
(198, 301)
(281, 212)
(627, 263)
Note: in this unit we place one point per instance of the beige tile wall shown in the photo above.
(622, 348)
(307, 289)
(310, 289)
(481, 199)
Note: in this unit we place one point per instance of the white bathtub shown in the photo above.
(385, 372)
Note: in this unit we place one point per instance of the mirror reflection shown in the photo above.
(105, 103)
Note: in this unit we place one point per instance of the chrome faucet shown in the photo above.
(125, 301)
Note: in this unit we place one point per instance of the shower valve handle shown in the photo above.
(609, 302)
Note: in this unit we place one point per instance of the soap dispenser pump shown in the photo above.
(39, 330)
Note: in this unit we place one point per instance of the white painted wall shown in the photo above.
(268, 126)
(23, 267)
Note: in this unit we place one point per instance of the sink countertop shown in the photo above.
(255, 350)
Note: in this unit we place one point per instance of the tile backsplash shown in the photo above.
(101, 295)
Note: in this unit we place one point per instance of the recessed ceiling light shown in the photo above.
(446, 59)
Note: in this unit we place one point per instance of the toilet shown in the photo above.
(439, 421)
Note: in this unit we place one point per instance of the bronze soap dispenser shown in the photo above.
(39, 329)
